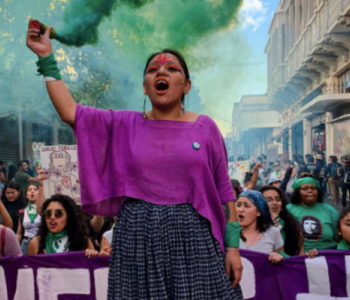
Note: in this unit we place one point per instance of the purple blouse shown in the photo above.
(122, 155)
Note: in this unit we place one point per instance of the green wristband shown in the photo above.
(47, 66)
(232, 234)
(285, 255)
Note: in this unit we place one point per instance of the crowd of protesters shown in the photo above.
(168, 193)
(30, 225)
(294, 194)
(284, 219)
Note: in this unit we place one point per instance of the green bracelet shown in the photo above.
(47, 66)
(232, 234)
(285, 255)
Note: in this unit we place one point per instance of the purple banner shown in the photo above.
(72, 276)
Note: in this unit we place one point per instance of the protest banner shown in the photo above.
(45, 277)
(238, 169)
(60, 164)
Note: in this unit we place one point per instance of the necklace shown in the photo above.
(252, 243)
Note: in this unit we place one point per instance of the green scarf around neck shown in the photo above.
(32, 212)
(343, 245)
(57, 243)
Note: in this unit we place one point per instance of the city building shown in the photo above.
(309, 75)
(254, 126)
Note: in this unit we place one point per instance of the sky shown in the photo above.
(256, 16)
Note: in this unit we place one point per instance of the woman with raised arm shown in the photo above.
(165, 174)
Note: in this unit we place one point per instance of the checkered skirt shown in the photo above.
(166, 252)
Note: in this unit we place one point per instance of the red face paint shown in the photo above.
(163, 59)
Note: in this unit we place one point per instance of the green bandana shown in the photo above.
(57, 243)
(305, 180)
(343, 245)
(32, 213)
(47, 66)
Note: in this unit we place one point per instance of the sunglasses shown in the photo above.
(48, 213)
(276, 166)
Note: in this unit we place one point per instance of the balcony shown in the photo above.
(324, 42)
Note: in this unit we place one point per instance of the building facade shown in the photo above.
(254, 126)
(309, 74)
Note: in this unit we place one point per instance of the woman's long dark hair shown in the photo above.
(14, 206)
(294, 238)
(296, 196)
(78, 233)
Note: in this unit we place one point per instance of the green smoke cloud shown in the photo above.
(179, 23)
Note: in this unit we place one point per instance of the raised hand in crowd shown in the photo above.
(253, 181)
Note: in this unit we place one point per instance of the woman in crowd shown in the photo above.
(284, 221)
(63, 229)
(318, 220)
(9, 244)
(343, 228)
(146, 168)
(258, 230)
(30, 217)
(14, 201)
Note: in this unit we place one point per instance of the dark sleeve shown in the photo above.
(327, 171)
(285, 180)
(341, 170)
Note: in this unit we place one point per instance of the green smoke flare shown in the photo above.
(193, 19)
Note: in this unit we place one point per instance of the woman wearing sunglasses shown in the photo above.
(64, 229)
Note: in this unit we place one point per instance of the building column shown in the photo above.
(311, 9)
(291, 27)
(297, 19)
(329, 134)
(290, 148)
(307, 136)
(286, 34)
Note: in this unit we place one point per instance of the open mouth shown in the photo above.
(161, 85)
(275, 209)
(53, 224)
(240, 217)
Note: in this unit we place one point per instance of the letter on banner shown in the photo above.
(3, 285)
(347, 266)
(101, 283)
(248, 279)
(25, 285)
(53, 282)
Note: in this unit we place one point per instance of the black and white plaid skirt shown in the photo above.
(166, 252)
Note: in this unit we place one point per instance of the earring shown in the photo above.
(144, 108)
(182, 111)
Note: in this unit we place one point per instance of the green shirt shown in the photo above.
(318, 224)
(343, 245)
(21, 178)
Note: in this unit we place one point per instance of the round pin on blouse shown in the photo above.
(196, 146)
